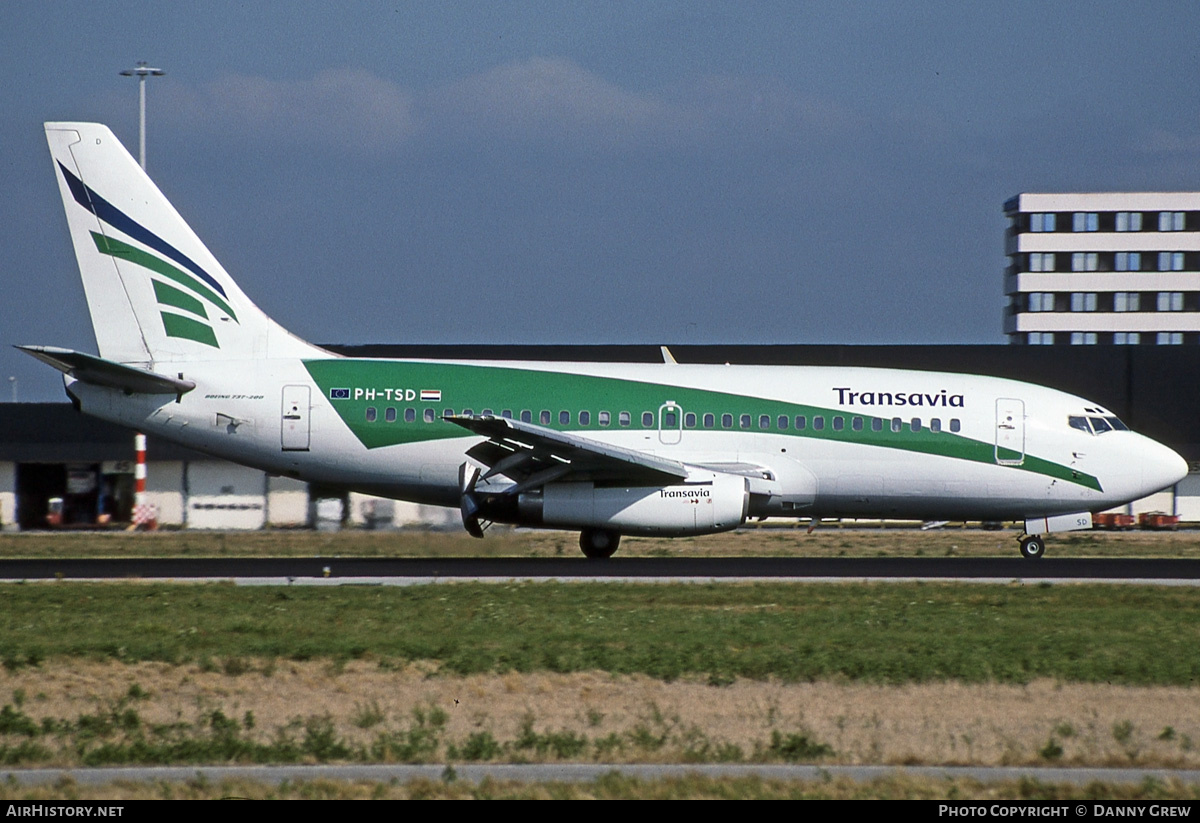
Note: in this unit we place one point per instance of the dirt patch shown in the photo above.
(606, 717)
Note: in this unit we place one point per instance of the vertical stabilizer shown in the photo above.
(154, 291)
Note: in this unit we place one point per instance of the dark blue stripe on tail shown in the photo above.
(118, 219)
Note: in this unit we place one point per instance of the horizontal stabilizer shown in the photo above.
(88, 368)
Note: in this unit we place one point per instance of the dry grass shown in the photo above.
(827, 541)
(946, 723)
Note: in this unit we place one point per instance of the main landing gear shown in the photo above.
(1032, 546)
(599, 543)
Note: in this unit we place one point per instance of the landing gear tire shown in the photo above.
(1032, 547)
(599, 543)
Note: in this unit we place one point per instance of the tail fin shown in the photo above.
(154, 291)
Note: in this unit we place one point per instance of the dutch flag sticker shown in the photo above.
(431, 395)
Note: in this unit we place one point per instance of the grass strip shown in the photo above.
(893, 633)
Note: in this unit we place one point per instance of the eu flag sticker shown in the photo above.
(339, 394)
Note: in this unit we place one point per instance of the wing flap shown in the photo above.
(527, 453)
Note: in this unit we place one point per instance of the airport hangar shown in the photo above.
(48, 450)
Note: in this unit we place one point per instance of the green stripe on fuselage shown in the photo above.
(499, 388)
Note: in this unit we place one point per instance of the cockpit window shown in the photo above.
(1095, 424)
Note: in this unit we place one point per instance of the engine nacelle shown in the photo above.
(713, 504)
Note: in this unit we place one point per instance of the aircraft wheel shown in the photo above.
(1032, 547)
(599, 543)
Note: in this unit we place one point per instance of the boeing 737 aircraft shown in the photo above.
(608, 449)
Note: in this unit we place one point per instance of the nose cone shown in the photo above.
(1161, 467)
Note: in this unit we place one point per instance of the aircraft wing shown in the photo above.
(532, 455)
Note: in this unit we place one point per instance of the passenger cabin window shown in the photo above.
(876, 424)
(585, 418)
(648, 419)
(624, 418)
(916, 424)
(783, 421)
(689, 420)
(564, 418)
(526, 416)
(727, 421)
(818, 423)
(389, 414)
(838, 423)
(710, 420)
(605, 418)
(506, 413)
(801, 422)
(410, 415)
(744, 421)
(955, 424)
(897, 424)
(544, 417)
(856, 423)
(764, 421)
(429, 415)
(371, 414)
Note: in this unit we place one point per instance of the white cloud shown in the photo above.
(544, 101)
(345, 107)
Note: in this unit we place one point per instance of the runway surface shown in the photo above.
(416, 570)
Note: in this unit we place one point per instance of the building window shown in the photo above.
(1083, 338)
(1085, 261)
(1085, 221)
(1040, 222)
(1170, 301)
(1169, 338)
(1041, 301)
(1129, 261)
(1083, 301)
(1170, 261)
(1127, 338)
(1126, 301)
(1041, 261)
(1129, 221)
(1170, 221)
(1041, 338)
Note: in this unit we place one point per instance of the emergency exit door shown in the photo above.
(296, 414)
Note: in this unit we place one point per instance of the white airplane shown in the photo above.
(608, 449)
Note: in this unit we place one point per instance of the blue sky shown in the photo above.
(611, 172)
